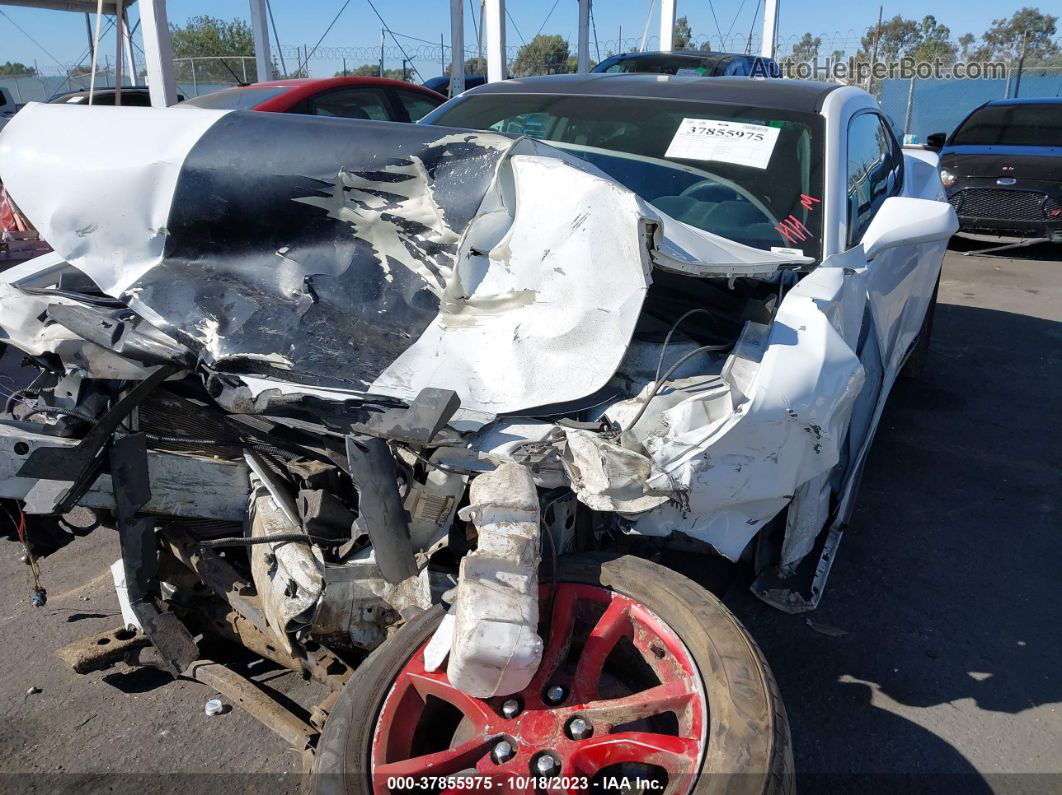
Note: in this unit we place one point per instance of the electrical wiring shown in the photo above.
(544, 21)
(395, 39)
(674, 328)
(278, 538)
(434, 465)
(663, 379)
(335, 19)
(553, 560)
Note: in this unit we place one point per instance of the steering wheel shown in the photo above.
(710, 182)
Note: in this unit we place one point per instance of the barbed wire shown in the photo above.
(847, 42)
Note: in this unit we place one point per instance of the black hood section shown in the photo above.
(257, 275)
(1001, 161)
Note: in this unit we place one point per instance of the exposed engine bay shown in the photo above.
(338, 377)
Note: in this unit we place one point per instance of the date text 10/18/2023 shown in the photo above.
(546, 783)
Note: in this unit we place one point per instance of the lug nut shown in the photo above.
(555, 694)
(579, 729)
(545, 765)
(503, 751)
(511, 708)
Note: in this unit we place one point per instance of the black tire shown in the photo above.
(749, 749)
(916, 362)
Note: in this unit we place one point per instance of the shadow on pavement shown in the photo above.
(947, 580)
(1039, 251)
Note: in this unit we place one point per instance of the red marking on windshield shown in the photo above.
(792, 230)
(808, 202)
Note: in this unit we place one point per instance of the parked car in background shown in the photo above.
(7, 106)
(703, 64)
(374, 98)
(133, 96)
(1002, 168)
(442, 83)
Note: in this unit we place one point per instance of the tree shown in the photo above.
(371, 70)
(934, 43)
(806, 50)
(543, 55)
(476, 66)
(894, 38)
(473, 66)
(1005, 38)
(683, 33)
(899, 38)
(16, 69)
(209, 38)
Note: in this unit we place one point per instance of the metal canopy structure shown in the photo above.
(80, 6)
(494, 24)
(158, 50)
(667, 25)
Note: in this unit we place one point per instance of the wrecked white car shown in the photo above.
(436, 392)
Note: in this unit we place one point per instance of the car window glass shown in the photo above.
(533, 125)
(1011, 125)
(136, 100)
(417, 105)
(235, 98)
(353, 103)
(738, 67)
(629, 138)
(873, 172)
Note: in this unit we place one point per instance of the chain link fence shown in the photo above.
(195, 76)
(920, 106)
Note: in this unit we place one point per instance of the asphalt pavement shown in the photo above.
(934, 662)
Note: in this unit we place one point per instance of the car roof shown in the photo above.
(331, 82)
(100, 90)
(782, 94)
(1026, 101)
(444, 80)
(682, 55)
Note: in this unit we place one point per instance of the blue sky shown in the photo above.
(62, 39)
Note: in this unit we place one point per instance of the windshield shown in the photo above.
(236, 98)
(748, 174)
(1012, 125)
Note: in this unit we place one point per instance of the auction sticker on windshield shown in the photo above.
(741, 143)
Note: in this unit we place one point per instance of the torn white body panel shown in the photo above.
(608, 477)
(727, 453)
(117, 177)
(516, 314)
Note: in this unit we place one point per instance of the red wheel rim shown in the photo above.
(653, 719)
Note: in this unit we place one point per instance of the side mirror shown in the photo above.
(905, 221)
(936, 141)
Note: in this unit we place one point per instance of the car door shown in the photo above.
(366, 102)
(874, 171)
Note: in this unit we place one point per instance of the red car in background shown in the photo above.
(344, 97)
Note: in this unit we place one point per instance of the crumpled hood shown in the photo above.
(340, 256)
